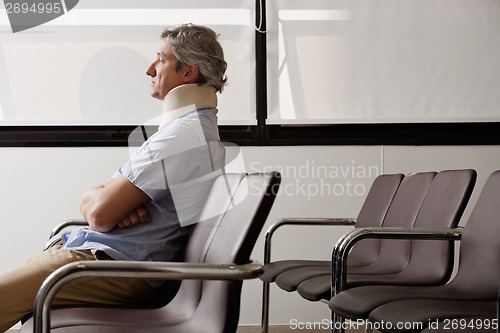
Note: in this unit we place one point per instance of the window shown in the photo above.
(384, 61)
(88, 66)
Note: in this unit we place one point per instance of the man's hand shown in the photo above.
(135, 217)
(115, 202)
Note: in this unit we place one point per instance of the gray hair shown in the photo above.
(198, 45)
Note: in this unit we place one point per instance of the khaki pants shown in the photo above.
(19, 286)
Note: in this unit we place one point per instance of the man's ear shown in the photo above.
(191, 73)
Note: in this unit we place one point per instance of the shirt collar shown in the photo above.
(186, 98)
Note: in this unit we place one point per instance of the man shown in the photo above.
(144, 211)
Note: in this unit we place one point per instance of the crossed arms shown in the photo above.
(116, 202)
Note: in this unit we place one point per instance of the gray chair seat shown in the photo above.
(290, 279)
(316, 288)
(275, 268)
(359, 302)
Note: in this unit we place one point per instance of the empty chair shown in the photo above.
(372, 213)
(397, 262)
(429, 262)
(232, 219)
(402, 212)
(477, 278)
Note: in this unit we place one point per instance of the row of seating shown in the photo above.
(394, 268)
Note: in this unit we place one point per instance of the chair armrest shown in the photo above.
(345, 244)
(131, 269)
(304, 221)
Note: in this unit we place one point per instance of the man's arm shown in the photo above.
(115, 202)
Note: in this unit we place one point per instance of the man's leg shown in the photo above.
(18, 287)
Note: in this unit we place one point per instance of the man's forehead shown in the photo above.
(165, 48)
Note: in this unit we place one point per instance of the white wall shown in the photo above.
(42, 186)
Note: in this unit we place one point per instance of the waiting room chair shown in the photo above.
(402, 211)
(471, 293)
(372, 213)
(438, 200)
(428, 262)
(218, 249)
(423, 199)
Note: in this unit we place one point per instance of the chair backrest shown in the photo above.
(231, 222)
(425, 262)
(372, 214)
(393, 256)
(479, 266)
(431, 262)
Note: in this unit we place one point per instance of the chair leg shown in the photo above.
(265, 308)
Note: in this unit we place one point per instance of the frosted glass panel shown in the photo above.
(88, 66)
(352, 61)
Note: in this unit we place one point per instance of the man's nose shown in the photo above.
(151, 70)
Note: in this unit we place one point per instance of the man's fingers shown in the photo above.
(138, 215)
(143, 214)
(125, 223)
